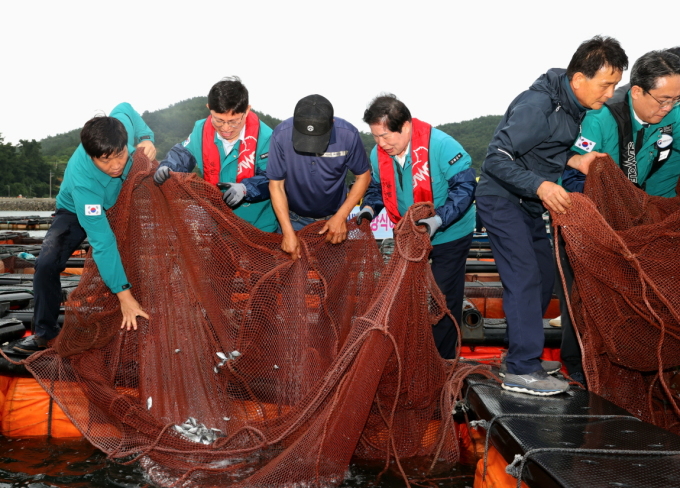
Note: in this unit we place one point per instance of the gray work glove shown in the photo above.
(162, 174)
(365, 213)
(235, 192)
(431, 223)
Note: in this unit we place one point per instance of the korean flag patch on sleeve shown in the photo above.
(585, 144)
(93, 210)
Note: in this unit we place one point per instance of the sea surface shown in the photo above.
(43, 463)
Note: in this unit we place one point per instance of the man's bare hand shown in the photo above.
(335, 229)
(554, 197)
(582, 162)
(291, 245)
(130, 309)
(148, 148)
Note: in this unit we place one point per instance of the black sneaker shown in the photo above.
(29, 345)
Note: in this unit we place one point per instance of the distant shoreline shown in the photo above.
(28, 204)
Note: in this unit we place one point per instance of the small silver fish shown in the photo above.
(149, 402)
(276, 366)
(216, 370)
(177, 350)
(221, 355)
(226, 418)
(235, 354)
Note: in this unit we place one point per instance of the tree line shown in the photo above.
(25, 169)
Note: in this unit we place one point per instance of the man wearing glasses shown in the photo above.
(231, 149)
(638, 133)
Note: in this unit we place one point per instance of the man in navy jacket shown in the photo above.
(526, 157)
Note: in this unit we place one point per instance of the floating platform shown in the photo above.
(572, 440)
(33, 222)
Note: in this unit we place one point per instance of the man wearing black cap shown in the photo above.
(309, 156)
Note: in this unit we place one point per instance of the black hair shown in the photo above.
(103, 136)
(652, 66)
(674, 50)
(596, 53)
(387, 109)
(228, 95)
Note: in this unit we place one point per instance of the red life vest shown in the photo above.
(246, 157)
(420, 162)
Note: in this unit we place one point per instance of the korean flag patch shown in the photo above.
(93, 210)
(585, 144)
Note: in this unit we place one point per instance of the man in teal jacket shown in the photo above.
(92, 181)
(639, 131)
(414, 162)
(230, 148)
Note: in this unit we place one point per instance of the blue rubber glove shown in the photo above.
(162, 174)
(431, 223)
(365, 213)
(234, 194)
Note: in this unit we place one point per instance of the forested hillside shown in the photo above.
(26, 169)
(23, 170)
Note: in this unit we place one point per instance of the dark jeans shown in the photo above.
(62, 239)
(448, 268)
(523, 255)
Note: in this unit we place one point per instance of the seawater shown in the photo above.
(74, 463)
(43, 463)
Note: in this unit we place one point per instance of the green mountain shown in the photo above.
(26, 169)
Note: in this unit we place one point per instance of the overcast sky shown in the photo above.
(63, 62)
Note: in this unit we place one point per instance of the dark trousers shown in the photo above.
(523, 255)
(62, 239)
(570, 351)
(448, 268)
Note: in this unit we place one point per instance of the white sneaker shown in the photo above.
(556, 322)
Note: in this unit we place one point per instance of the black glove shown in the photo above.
(162, 174)
(365, 213)
(234, 193)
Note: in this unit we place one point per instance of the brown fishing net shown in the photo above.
(623, 246)
(253, 369)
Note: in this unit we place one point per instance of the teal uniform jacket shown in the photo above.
(256, 207)
(447, 159)
(600, 130)
(89, 193)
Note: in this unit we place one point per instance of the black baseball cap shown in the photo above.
(312, 124)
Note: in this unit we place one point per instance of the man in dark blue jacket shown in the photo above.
(526, 157)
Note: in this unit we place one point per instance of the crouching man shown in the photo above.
(92, 182)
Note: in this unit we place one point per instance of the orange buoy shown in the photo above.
(28, 410)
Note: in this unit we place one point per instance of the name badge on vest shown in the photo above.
(665, 140)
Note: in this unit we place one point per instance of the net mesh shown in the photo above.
(623, 245)
(253, 369)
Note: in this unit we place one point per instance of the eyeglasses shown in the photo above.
(673, 102)
(230, 123)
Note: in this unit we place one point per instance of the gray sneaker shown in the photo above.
(537, 383)
(550, 367)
